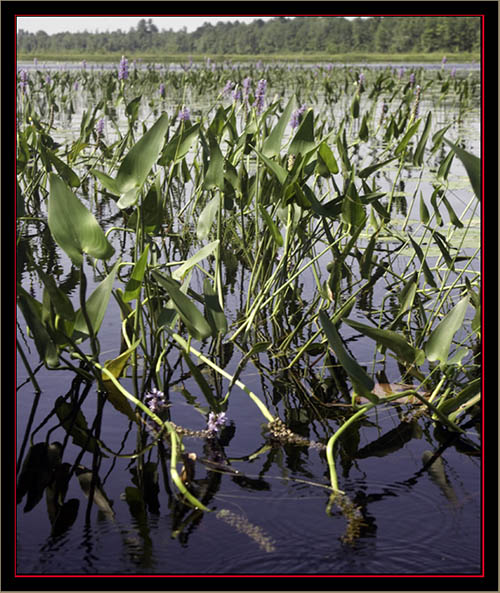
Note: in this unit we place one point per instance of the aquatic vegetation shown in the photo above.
(327, 191)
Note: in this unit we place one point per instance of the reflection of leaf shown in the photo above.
(37, 472)
(65, 517)
(100, 499)
(389, 442)
(73, 421)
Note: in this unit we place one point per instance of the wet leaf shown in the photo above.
(96, 305)
(115, 396)
(418, 155)
(303, 141)
(213, 311)
(472, 165)
(194, 321)
(138, 162)
(392, 340)
(73, 227)
(438, 345)
(360, 380)
(207, 217)
(200, 255)
(272, 144)
(272, 226)
(214, 177)
(133, 288)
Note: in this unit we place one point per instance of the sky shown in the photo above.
(58, 24)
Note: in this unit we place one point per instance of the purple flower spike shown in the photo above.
(444, 60)
(228, 88)
(412, 78)
(184, 114)
(155, 400)
(100, 127)
(23, 75)
(236, 94)
(216, 421)
(123, 69)
(297, 116)
(162, 90)
(259, 94)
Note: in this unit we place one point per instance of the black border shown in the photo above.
(488, 582)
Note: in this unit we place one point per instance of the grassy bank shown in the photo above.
(298, 57)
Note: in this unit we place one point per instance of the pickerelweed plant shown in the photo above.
(298, 183)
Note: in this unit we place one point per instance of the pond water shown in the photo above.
(270, 502)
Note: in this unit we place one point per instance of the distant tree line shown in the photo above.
(280, 35)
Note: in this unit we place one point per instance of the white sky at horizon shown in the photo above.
(59, 24)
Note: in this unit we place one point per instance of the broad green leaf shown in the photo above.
(353, 212)
(96, 305)
(108, 182)
(271, 225)
(424, 212)
(392, 340)
(362, 383)
(453, 217)
(274, 167)
(194, 321)
(326, 161)
(355, 106)
(179, 145)
(418, 155)
(133, 288)
(64, 171)
(407, 295)
(450, 405)
(303, 141)
(367, 171)
(366, 259)
(207, 217)
(138, 162)
(214, 177)
(129, 198)
(204, 252)
(213, 311)
(407, 137)
(441, 243)
(425, 268)
(73, 227)
(472, 165)
(438, 345)
(115, 396)
(444, 167)
(363, 130)
(272, 144)
(32, 310)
